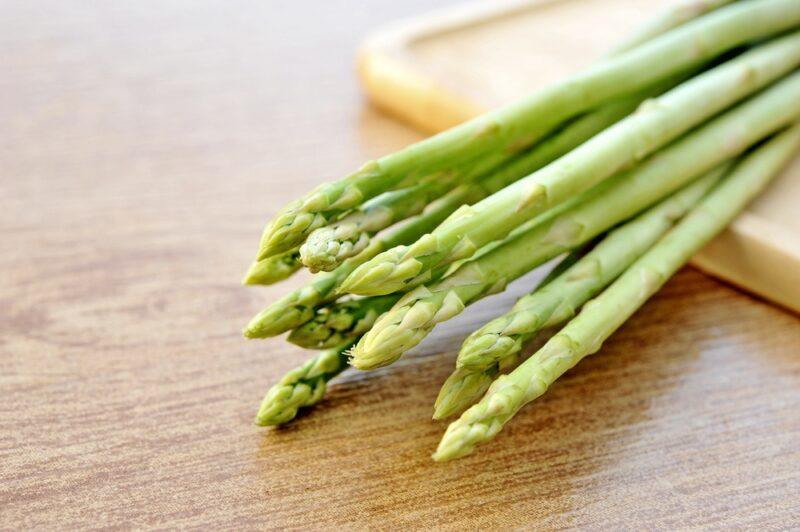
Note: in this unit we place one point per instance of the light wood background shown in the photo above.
(143, 146)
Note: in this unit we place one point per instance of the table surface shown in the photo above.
(144, 146)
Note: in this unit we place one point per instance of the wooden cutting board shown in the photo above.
(440, 69)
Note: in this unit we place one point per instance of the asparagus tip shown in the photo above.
(453, 444)
(251, 277)
(394, 333)
(383, 274)
(327, 247)
(461, 389)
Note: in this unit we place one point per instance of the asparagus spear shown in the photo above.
(467, 386)
(340, 322)
(273, 269)
(670, 19)
(496, 346)
(298, 307)
(599, 319)
(327, 247)
(613, 201)
(419, 311)
(627, 142)
(522, 123)
(301, 387)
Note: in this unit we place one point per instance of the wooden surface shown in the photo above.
(143, 146)
(443, 67)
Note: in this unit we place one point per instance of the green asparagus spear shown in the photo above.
(301, 387)
(670, 19)
(328, 246)
(496, 346)
(627, 142)
(298, 307)
(524, 122)
(599, 318)
(420, 310)
(613, 201)
(347, 320)
(465, 386)
(273, 269)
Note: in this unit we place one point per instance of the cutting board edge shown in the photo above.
(387, 73)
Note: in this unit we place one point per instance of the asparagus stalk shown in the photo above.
(670, 19)
(341, 322)
(522, 123)
(496, 346)
(655, 123)
(467, 386)
(302, 387)
(273, 269)
(594, 212)
(464, 387)
(298, 307)
(585, 334)
(419, 311)
(327, 247)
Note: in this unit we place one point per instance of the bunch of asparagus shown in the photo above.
(625, 169)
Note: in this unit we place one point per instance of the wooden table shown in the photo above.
(143, 147)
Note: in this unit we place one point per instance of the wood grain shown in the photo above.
(144, 145)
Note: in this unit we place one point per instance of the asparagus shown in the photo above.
(327, 247)
(524, 122)
(655, 123)
(273, 269)
(467, 386)
(599, 319)
(464, 387)
(340, 322)
(419, 311)
(298, 307)
(302, 387)
(496, 346)
(668, 20)
(594, 212)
